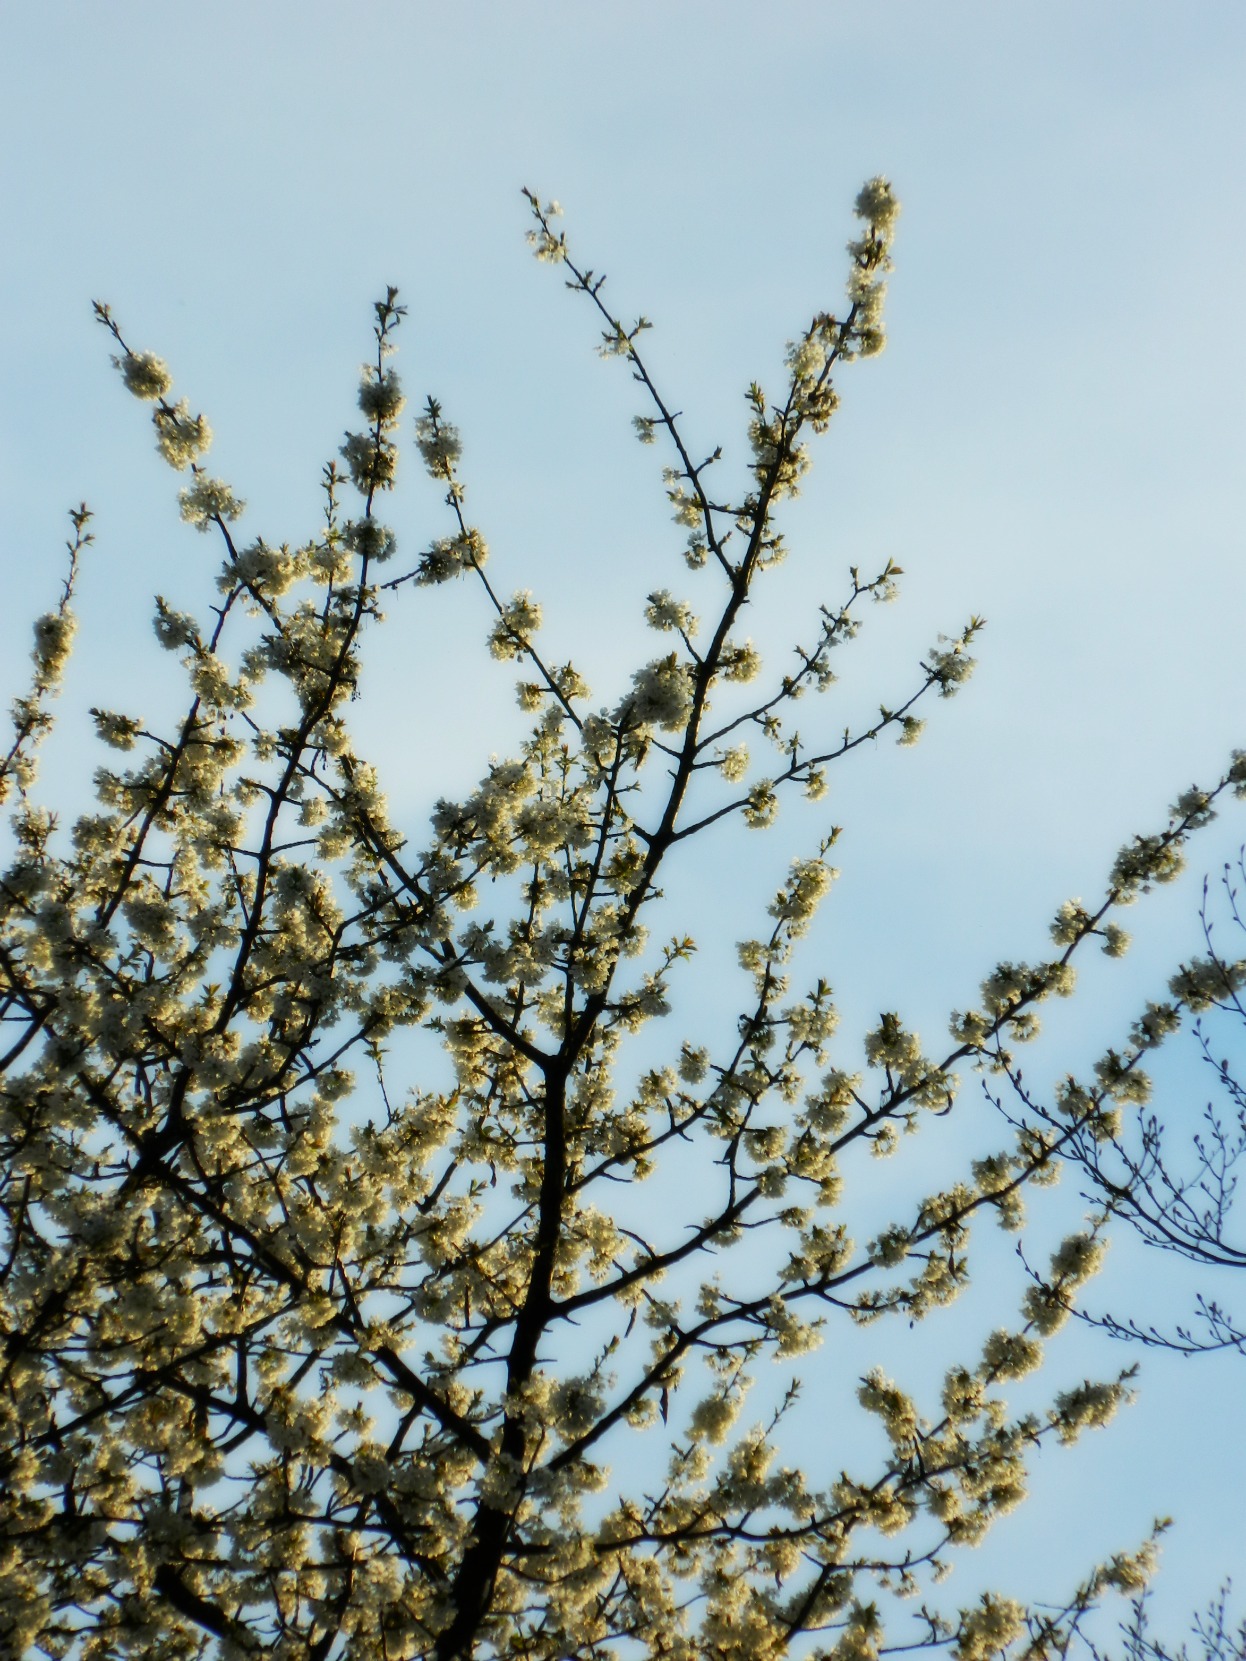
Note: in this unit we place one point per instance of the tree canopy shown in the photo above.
(316, 1347)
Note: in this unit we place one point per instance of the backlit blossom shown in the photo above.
(145, 375)
(181, 437)
(208, 499)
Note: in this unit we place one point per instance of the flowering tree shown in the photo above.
(308, 1353)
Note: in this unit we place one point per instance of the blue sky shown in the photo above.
(1053, 438)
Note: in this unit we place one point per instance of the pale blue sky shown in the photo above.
(1054, 437)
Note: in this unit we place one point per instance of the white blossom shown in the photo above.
(181, 437)
(145, 375)
(208, 499)
(661, 694)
